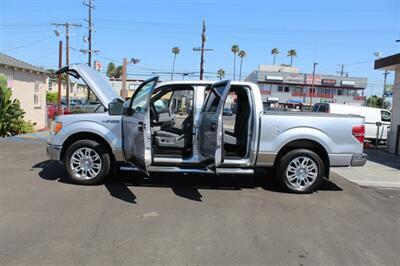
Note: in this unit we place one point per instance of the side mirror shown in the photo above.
(115, 107)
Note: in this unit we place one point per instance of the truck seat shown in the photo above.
(172, 137)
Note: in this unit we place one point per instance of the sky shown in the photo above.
(330, 32)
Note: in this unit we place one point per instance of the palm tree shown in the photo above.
(175, 51)
(221, 73)
(111, 70)
(241, 54)
(274, 52)
(234, 50)
(291, 53)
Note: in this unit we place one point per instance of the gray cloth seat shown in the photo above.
(172, 137)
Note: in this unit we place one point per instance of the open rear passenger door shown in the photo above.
(136, 128)
(211, 128)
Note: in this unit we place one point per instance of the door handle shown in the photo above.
(213, 127)
(140, 126)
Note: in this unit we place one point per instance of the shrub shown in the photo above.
(11, 114)
(51, 97)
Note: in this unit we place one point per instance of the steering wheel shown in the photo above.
(153, 113)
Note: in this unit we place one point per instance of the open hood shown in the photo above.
(100, 86)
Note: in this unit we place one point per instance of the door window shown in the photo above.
(386, 116)
(163, 102)
(212, 102)
(139, 102)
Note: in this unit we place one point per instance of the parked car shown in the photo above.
(91, 106)
(300, 146)
(52, 110)
(373, 118)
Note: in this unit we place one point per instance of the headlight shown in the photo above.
(55, 127)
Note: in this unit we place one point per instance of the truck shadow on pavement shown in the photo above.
(183, 185)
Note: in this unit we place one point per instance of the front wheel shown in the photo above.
(300, 171)
(87, 162)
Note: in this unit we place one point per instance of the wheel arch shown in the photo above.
(306, 144)
(85, 135)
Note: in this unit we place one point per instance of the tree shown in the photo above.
(11, 114)
(111, 70)
(51, 97)
(374, 101)
(175, 51)
(234, 50)
(291, 53)
(241, 54)
(274, 52)
(118, 72)
(221, 73)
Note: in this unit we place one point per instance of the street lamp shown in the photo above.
(135, 61)
(378, 55)
(312, 84)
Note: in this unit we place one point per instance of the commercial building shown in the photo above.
(290, 88)
(28, 84)
(392, 63)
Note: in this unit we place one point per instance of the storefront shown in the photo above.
(306, 88)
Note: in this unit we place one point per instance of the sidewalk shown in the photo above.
(39, 136)
(382, 170)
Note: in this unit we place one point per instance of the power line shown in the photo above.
(27, 44)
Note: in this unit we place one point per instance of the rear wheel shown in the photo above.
(300, 171)
(87, 162)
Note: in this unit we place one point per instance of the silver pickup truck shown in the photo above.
(201, 127)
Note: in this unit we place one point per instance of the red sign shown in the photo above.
(98, 65)
(329, 82)
(309, 79)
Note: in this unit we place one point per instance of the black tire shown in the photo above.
(94, 147)
(307, 185)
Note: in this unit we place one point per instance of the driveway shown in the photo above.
(185, 219)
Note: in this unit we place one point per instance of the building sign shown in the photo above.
(348, 83)
(274, 78)
(309, 79)
(98, 65)
(328, 82)
(294, 78)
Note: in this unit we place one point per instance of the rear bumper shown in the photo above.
(53, 152)
(348, 159)
(359, 159)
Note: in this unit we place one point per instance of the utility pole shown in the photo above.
(384, 87)
(202, 49)
(124, 93)
(341, 72)
(312, 83)
(89, 38)
(67, 26)
(59, 78)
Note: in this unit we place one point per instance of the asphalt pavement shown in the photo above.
(186, 219)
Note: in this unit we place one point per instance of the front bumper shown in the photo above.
(359, 159)
(53, 152)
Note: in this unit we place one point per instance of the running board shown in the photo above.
(175, 169)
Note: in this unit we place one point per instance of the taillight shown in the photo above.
(359, 133)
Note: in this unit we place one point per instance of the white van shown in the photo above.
(372, 117)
